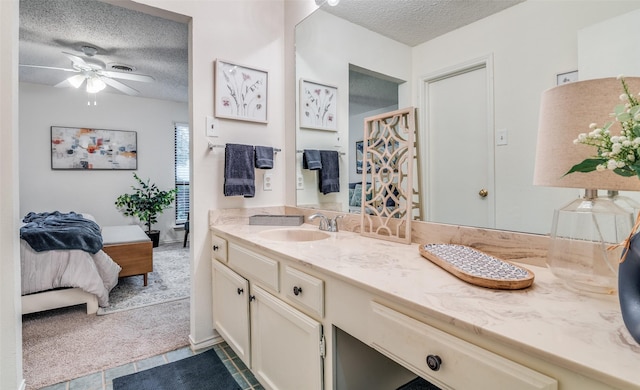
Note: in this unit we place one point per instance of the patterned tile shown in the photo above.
(88, 382)
(104, 380)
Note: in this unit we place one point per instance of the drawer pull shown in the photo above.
(252, 298)
(240, 291)
(434, 362)
(215, 248)
(297, 290)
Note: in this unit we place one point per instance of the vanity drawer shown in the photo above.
(253, 266)
(304, 289)
(457, 364)
(219, 248)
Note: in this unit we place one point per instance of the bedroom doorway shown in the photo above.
(105, 180)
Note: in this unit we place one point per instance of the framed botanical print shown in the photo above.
(240, 92)
(318, 106)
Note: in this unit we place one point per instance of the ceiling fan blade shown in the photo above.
(127, 76)
(49, 67)
(79, 62)
(120, 87)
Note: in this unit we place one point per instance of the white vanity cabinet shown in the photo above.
(388, 315)
(282, 346)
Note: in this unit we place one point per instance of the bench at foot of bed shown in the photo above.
(130, 247)
(54, 299)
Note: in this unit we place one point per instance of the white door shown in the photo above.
(459, 147)
(231, 309)
(285, 345)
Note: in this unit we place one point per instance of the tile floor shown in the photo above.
(103, 380)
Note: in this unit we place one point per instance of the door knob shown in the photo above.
(483, 193)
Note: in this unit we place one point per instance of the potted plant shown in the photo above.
(146, 203)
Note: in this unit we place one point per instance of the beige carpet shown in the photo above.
(62, 344)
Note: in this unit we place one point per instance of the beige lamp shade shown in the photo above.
(565, 112)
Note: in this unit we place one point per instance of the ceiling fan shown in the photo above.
(96, 77)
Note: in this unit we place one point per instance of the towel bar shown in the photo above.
(212, 146)
(302, 151)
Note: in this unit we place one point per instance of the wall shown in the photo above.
(531, 43)
(248, 32)
(10, 308)
(95, 192)
(323, 55)
(599, 43)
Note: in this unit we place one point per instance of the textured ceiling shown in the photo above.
(159, 47)
(416, 21)
(152, 45)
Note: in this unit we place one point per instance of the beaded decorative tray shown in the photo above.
(476, 267)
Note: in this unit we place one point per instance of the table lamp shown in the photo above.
(583, 230)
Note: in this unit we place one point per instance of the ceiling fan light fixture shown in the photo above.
(76, 81)
(95, 85)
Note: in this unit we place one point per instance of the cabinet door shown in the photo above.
(231, 309)
(286, 345)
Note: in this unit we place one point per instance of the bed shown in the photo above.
(63, 264)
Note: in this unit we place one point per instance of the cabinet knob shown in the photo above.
(434, 362)
(215, 247)
(240, 290)
(252, 298)
(297, 290)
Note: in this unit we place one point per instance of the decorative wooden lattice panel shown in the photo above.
(388, 162)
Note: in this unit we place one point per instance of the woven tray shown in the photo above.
(476, 267)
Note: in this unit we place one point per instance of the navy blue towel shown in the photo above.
(264, 157)
(239, 175)
(329, 175)
(311, 159)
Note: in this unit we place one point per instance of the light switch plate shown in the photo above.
(501, 137)
(212, 127)
(267, 184)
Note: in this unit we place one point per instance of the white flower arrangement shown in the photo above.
(618, 153)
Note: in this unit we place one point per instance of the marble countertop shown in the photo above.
(582, 333)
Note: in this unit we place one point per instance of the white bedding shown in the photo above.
(96, 274)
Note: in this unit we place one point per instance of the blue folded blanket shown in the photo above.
(239, 175)
(56, 230)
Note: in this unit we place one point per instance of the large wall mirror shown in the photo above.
(476, 90)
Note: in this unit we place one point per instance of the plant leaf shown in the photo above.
(588, 165)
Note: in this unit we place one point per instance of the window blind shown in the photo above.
(181, 153)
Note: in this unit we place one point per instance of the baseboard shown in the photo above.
(206, 343)
(23, 385)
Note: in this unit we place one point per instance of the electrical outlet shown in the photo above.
(267, 184)
(299, 182)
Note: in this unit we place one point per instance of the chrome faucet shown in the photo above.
(326, 224)
(333, 224)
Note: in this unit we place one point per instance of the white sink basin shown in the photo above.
(299, 235)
